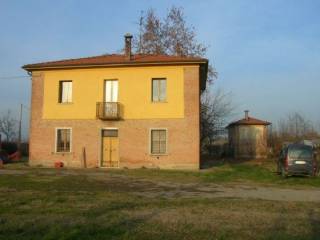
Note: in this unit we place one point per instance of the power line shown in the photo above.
(14, 77)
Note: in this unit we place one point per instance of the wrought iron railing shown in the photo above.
(108, 110)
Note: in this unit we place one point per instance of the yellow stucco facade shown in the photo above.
(135, 90)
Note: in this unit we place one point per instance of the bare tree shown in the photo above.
(173, 36)
(8, 126)
(179, 38)
(170, 36)
(150, 38)
(295, 127)
(216, 108)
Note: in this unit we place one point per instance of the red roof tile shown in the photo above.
(249, 121)
(115, 59)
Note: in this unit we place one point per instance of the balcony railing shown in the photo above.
(108, 110)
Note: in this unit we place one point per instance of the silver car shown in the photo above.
(297, 159)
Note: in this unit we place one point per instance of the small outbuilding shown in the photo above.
(248, 138)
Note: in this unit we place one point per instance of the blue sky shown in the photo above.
(267, 53)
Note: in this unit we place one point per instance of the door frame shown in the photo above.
(101, 146)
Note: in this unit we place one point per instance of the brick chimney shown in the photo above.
(127, 39)
(246, 114)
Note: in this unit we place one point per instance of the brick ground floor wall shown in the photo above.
(134, 142)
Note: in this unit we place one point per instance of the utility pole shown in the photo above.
(20, 121)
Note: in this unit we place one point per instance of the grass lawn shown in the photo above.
(255, 172)
(100, 204)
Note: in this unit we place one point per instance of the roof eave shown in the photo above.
(248, 124)
(30, 67)
(203, 75)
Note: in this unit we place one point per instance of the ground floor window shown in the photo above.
(158, 141)
(63, 140)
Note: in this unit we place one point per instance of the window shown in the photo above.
(159, 90)
(158, 141)
(65, 91)
(111, 91)
(63, 140)
(110, 133)
(301, 152)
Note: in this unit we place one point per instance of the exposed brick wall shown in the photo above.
(134, 139)
(248, 141)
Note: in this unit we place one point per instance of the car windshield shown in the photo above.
(299, 152)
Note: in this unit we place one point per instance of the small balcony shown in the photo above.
(108, 110)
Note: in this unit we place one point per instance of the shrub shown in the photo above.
(9, 147)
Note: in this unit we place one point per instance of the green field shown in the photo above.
(39, 203)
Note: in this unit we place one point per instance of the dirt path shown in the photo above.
(160, 189)
(156, 189)
(233, 191)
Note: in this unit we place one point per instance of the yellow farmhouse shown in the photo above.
(128, 110)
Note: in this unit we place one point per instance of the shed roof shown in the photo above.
(248, 121)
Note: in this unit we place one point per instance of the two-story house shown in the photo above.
(128, 110)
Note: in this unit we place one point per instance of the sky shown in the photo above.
(267, 53)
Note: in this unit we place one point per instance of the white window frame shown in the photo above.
(113, 90)
(166, 96)
(56, 139)
(150, 142)
(61, 92)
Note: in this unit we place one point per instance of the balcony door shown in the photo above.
(111, 98)
(111, 91)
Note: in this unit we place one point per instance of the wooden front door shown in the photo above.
(110, 148)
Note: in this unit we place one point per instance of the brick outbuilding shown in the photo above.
(248, 137)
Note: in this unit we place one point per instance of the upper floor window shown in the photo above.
(111, 91)
(63, 140)
(159, 90)
(65, 91)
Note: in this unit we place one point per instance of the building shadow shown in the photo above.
(207, 161)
